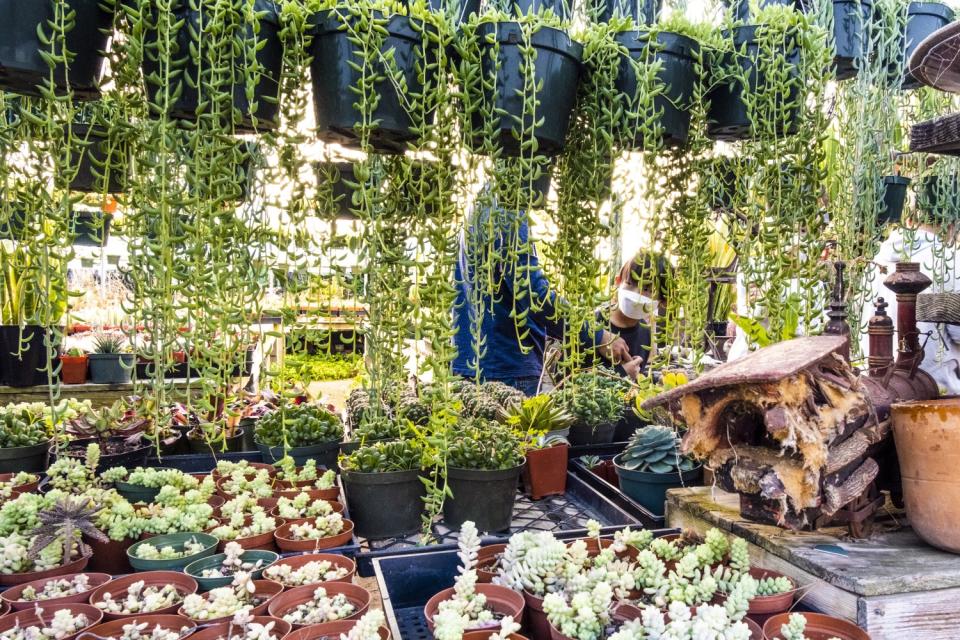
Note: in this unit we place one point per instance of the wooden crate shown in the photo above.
(890, 584)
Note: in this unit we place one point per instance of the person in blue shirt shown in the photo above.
(510, 354)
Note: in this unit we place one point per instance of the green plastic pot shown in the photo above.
(196, 568)
(175, 540)
(650, 489)
(137, 492)
(324, 453)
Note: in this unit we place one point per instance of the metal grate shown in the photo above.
(411, 624)
(554, 513)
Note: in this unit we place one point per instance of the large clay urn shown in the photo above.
(927, 434)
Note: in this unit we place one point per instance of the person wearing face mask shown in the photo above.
(641, 285)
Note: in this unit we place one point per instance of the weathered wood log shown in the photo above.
(837, 496)
(855, 447)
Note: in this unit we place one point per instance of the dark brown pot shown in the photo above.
(756, 633)
(185, 586)
(502, 600)
(283, 540)
(213, 631)
(29, 487)
(819, 627)
(13, 579)
(545, 473)
(537, 621)
(332, 631)
(296, 562)
(109, 557)
(114, 628)
(13, 594)
(29, 617)
(267, 588)
(762, 607)
(289, 600)
(486, 559)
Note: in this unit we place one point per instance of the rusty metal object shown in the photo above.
(880, 330)
(907, 281)
(837, 326)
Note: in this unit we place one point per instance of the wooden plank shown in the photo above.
(925, 615)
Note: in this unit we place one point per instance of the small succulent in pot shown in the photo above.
(655, 449)
(301, 506)
(244, 627)
(142, 631)
(140, 598)
(321, 608)
(147, 551)
(312, 572)
(58, 588)
(21, 479)
(322, 527)
(368, 627)
(64, 624)
(223, 602)
(299, 426)
(239, 527)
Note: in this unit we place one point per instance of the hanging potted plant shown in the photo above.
(483, 467)
(383, 488)
(468, 606)
(514, 63)
(651, 464)
(355, 38)
(90, 228)
(73, 366)
(111, 361)
(894, 197)
(852, 21)
(596, 400)
(27, 34)
(300, 431)
(188, 85)
(923, 18)
(542, 419)
(99, 151)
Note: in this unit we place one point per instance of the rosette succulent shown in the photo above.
(655, 449)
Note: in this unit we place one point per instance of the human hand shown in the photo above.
(632, 366)
(614, 348)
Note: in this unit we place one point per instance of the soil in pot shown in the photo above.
(584, 434)
(285, 542)
(650, 489)
(345, 568)
(677, 55)
(281, 629)
(23, 68)
(184, 584)
(728, 117)
(325, 453)
(30, 618)
(557, 74)
(336, 175)
(23, 355)
(111, 368)
(819, 627)
(545, 473)
(100, 166)
(384, 505)
(485, 497)
(502, 601)
(334, 97)
(269, 59)
(14, 595)
(29, 458)
(291, 599)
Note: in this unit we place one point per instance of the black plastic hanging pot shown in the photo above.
(557, 74)
(728, 118)
(676, 55)
(100, 166)
(642, 11)
(188, 79)
(384, 505)
(923, 18)
(894, 197)
(851, 26)
(560, 8)
(485, 497)
(935, 199)
(23, 355)
(90, 228)
(22, 67)
(334, 80)
(459, 10)
(339, 173)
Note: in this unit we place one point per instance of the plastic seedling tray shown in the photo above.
(407, 580)
(568, 512)
(613, 494)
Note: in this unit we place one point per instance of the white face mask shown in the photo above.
(635, 305)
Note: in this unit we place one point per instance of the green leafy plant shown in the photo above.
(380, 457)
(109, 344)
(299, 426)
(594, 397)
(482, 444)
(23, 425)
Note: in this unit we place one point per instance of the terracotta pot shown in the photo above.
(502, 600)
(281, 629)
(762, 607)
(333, 631)
(268, 503)
(267, 588)
(622, 613)
(216, 501)
(13, 595)
(819, 627)
(593, 547)
(255, 465)
(756, 632)
(315, 494)
(487, 557)
(537, 622)
(184, 584)
(29, 487)
(4, 609)
(485, 635)
(286, 543)
(927, 435)
(109, 557)
(289, 600)
(262, 541)
(545, 473)
(29, 617)
(73, 369)
(75, 566)
(336, 506)
(114, 628)
(296, 562)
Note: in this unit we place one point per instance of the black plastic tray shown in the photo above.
(406, 581)
(643, 515)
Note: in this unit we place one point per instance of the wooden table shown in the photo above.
(893, 585)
